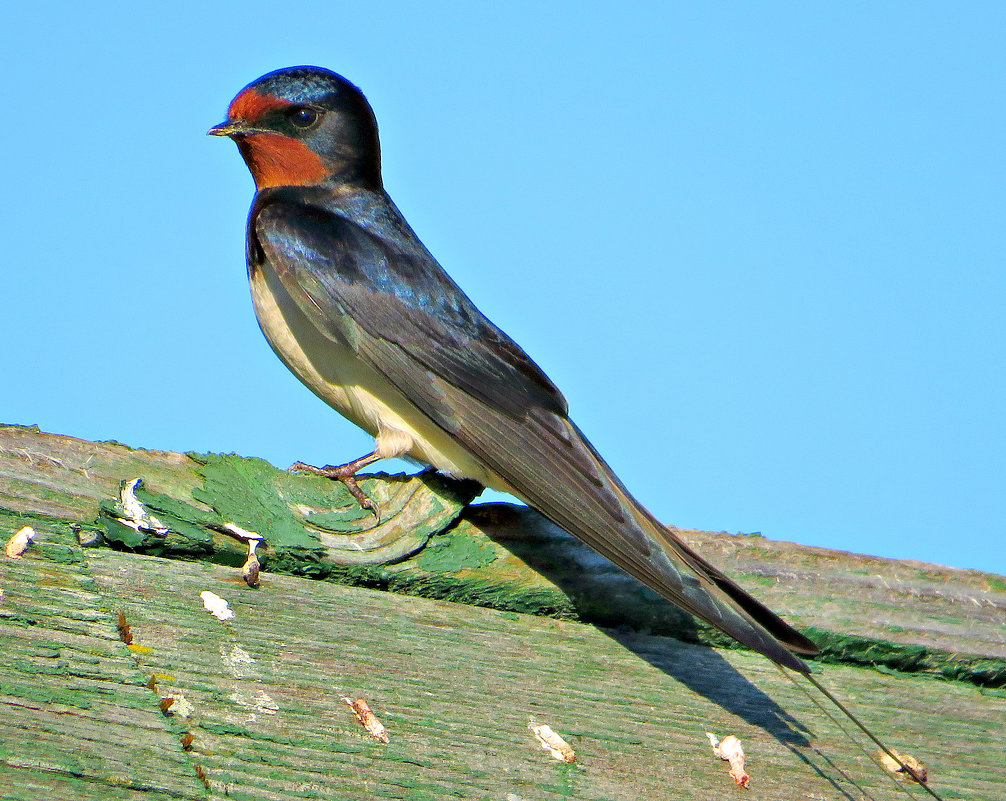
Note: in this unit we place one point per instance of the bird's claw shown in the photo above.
(343, 474)
(361, 497)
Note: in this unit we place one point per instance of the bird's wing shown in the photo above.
(352, 283)
(406, 318)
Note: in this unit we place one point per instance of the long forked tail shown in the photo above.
(909, 770)
(592, 504)
(551, 466)
(794, 641)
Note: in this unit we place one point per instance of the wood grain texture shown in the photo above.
(455, 685)
(902, 615)
(168, 702)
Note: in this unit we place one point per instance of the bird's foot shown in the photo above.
(346, 474)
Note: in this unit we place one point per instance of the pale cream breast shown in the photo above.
(336, 375)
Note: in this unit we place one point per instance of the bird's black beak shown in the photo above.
(229, 128)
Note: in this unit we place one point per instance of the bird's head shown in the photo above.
(304, 126)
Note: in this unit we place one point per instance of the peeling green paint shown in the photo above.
(449, 553)
(507, 559)
(455, 688)
(230, 728)
(55, 552)
(850, 649)
(45, 695)
(996, 583)
(308, 522)
(256, 496)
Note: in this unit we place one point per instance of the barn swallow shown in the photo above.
(363, 314)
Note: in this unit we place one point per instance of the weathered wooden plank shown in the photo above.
(908, 616)
(76, 720)
(187, 500)
(455, 685)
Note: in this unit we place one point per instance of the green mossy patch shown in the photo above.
(309, 523)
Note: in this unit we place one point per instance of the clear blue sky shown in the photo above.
(760, 247)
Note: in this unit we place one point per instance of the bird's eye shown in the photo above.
(302, 116)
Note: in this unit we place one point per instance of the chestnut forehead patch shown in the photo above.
(250, 105)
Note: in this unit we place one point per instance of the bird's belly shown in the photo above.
(358, 392)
